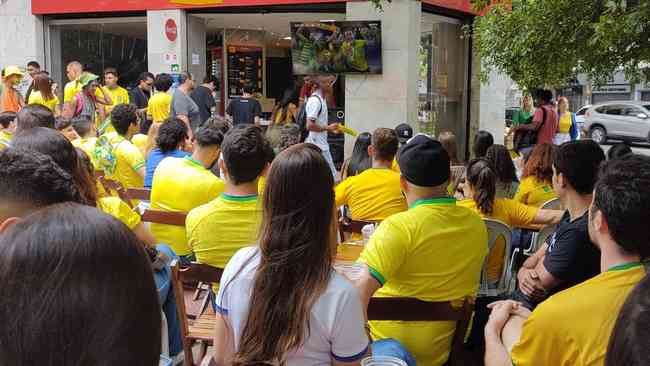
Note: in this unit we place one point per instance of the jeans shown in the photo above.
(393, 348)
(328, 157)
(168, 302)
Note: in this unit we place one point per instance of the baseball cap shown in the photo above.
(424, 162)
(404, 132)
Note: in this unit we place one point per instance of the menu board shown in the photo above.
(244, 68)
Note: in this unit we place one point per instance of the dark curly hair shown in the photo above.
(245, 153)
(123, 116)
(30, 180)
(171, 134)
(540, 163)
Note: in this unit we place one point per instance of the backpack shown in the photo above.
(301, 117)
(525, 138)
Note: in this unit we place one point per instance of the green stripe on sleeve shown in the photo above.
(377, 276)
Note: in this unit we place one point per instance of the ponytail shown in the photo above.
(482, 179)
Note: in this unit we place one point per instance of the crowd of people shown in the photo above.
(86, 281)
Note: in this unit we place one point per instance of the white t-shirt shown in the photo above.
(336, 323)
(315, 103)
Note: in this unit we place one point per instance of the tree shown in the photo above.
(548, 42)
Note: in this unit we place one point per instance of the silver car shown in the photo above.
(624, 120)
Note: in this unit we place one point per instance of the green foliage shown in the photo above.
(548, 42)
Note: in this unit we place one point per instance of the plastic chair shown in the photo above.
(539, 238)
(496, 230)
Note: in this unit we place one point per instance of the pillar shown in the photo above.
(165, 54)
(386, 100)
(21, 34)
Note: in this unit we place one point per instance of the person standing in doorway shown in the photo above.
(140, 94)
(203, 96)
(244, 110)
(183, 107)
(317, 119)
(10, 99)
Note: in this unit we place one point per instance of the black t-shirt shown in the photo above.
(202, 96)
(139, 97)
(571, 257)
(244, 110)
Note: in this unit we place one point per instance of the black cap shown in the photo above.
(424, 162)
(404, 132)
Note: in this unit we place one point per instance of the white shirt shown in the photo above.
(336, 323)
(316, 103)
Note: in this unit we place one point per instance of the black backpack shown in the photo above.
(301, 117)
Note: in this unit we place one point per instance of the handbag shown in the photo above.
(528, 138)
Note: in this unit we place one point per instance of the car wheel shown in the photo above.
(598, 134)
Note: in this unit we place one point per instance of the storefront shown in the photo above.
(426, 60)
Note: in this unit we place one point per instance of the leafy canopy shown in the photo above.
(548, 42)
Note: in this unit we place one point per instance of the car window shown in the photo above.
(647, 106)
(582, 111)
(616, 110)
(602, 109)
(631, 111)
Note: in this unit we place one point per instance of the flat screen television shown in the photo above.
(352, 47)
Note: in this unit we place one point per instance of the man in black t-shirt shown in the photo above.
(202, 96)
(568, 258)
(244, 110)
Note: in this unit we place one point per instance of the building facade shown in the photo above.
(429, 76)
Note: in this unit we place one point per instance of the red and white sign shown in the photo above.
(171, 30)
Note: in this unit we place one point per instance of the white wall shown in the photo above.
(492, 111)
(389, 99)
(196, 46)
(21, 34)
(158, 44)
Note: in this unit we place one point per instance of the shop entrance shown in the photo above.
(255, 50)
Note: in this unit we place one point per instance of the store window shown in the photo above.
(442, 84)
(119, 43)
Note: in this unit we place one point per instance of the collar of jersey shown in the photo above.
(191, 160)
(228, 197)
(624, 266)
(434, 201)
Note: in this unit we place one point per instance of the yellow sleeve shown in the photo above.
(386, 251)
(395, 166)
(68, 92)
(217, 187)
(523, 191)
(520, 214)
(341, 191)
(128, 216)
(98, 92)
(125, 96)
(134, 157)
(541, 343)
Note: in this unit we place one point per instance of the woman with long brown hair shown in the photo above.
(536, 185)
(281, 302)
(42, 94)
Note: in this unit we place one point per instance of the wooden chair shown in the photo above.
(200, 329)
(348, 226)
(164, 217)
(411, 309)
(141, 194)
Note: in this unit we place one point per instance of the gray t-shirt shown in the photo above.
(182, 104)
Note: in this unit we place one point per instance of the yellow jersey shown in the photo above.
(140, 141)
(218, 229)
(118, 95)
(573, 326)
(373, 195)
(434, 252)
(120, 210)
(35, 97)
(395, 166)
(566, 120)
(5, 139)
(70, 90)
(533, 192)
(159, 106)
(179, 185)
(511, 213)
(129, 160)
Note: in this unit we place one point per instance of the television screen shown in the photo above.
(336, 47)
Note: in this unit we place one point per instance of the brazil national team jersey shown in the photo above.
(533, 192)
(372, 195)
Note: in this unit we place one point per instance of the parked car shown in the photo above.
(580, 120)
(625, 120)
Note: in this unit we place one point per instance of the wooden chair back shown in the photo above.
(141, 194)
(164, 217)
(202, 328)
(348, 226)
(411, 309)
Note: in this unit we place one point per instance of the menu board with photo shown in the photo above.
(245, 65)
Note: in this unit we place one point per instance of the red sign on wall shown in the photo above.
(171, 30)
(85, 6)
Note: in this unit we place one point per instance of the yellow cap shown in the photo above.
(11, 70)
